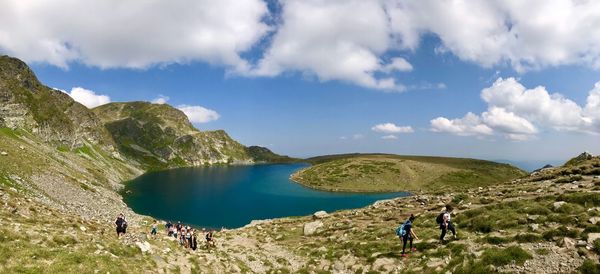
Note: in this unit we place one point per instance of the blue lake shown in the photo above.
(232, 196)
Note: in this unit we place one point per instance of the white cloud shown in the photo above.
(517, 112)
(537, 104)
(525, 34)
(391, 128)
(132, 34)
(355, 41)
(198, 114)
(333, 40)
(87, 97)
(397, 64)
(592, 108)
(507, 122)
(389, 137)
(469, 125)
(161, 99)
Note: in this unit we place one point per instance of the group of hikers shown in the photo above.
(185, 234)
(407, 234)
(188, 239)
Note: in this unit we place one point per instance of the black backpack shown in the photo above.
(440, 218)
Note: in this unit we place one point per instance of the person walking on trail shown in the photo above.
(121, 225)
(154, 229)
(210, 239)
(407, 234)
(444, 220)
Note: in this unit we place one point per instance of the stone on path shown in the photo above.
(320, 214)
(568, 243)
(144, 246)
(558, 205)
(592, 237)
(311, 228)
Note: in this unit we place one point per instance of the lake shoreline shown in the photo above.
(219, 196)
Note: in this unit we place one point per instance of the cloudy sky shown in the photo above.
(504, 79)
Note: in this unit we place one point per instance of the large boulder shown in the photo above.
(311, 228)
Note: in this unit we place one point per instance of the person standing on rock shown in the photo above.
(446, 223)
(121, 225)
(408, 234)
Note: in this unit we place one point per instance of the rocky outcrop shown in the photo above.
(160, 136)
(49, 114)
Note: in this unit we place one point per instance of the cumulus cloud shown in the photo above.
(198, 114)
(505, 121)
(161, 99)
(390, 128)
(132, 34)
(470, 124)
(355, 41)
(518, 112)
(87, 97)
(333, 40)
(524, 34)
(537, 104)
(345, 40)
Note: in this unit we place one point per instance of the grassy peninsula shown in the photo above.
(387, 172)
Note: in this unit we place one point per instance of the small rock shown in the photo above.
(21, 147)
(144, 246)
(532, 217)
(320, 214)
(592, 237)
(581, 243)
(339, 266)
(4, 153)
(82, 228)
(558, 205)
(568, 243)
(534, 227)
(594, 220)
(311, 228)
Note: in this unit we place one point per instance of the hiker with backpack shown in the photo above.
(406, 233)
(445, 223)
(121, 225)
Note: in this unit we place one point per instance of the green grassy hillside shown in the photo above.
(384, 172)
(160, 136)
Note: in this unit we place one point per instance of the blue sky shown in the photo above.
(323, 84)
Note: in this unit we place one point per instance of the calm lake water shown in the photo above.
(232, 196)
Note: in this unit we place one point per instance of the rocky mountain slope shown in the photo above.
(160, 136)
(51, 115)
